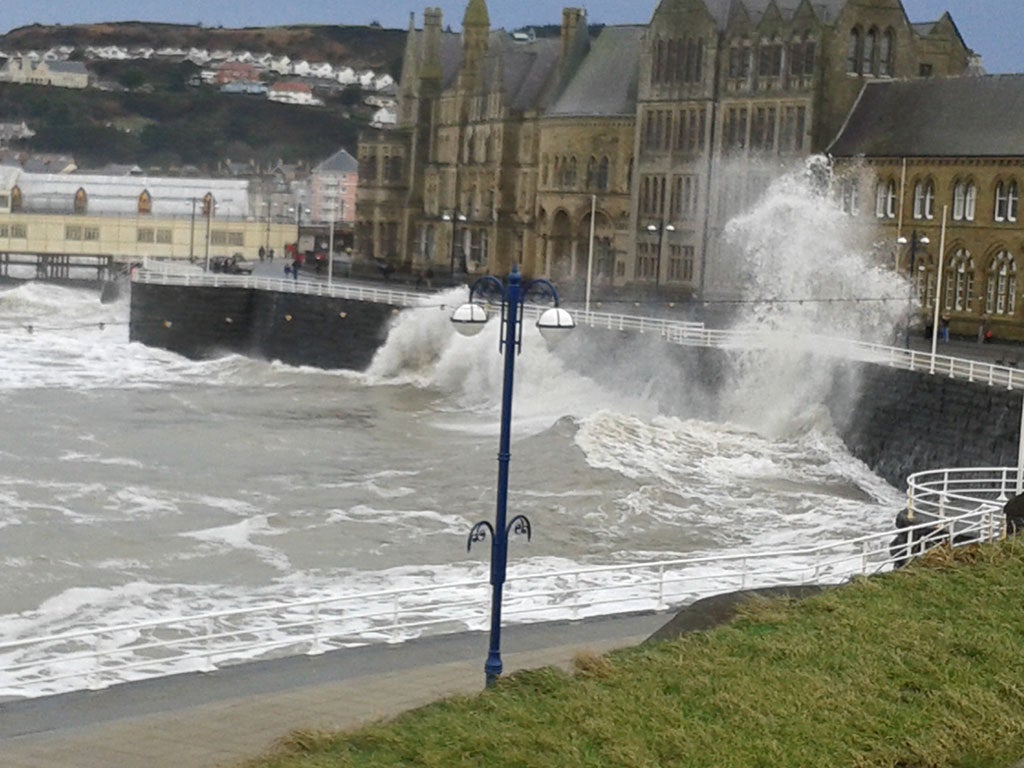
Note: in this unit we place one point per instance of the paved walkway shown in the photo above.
(222, 718)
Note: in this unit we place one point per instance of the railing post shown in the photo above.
(576, 595)
(395, 613)
(661, 587)
(316, 648)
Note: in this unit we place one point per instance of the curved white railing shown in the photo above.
(959, 506)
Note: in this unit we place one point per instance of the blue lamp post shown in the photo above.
(469, 319)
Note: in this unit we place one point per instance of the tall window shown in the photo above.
(885, 200)
(924, 200)
(868, 60)
(1007, 201)
(854, 52)
(1000, 297)
(739, 62)
(960, 281)
(145, 203)
(602, 174)
(885, 54)
(81, 201)
(16, 199)
(965, 197)
(801, 58)
(849, 193)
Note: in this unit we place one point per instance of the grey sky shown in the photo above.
(988, 26)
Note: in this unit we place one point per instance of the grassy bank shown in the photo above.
(916, 669)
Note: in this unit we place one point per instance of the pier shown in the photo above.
(57, 267)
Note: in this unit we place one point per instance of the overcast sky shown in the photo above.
(990, 27)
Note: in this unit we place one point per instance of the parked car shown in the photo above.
(232, 265)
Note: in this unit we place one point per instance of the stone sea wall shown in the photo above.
(199, 322)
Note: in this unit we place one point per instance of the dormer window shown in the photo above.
(145, 202)
(81, 201)
(16, 200)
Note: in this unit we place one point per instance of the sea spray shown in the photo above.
(807, 279)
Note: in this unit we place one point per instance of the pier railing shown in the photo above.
(954, 507)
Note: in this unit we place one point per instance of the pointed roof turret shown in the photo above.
(476, 15)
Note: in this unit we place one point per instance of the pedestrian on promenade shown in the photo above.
(295, 268)
(262, 253)
(287, 271)
(944, 329)
(984, 334)
(270, 254)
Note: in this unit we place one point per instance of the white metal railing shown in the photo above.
(959, 506)
(679, 332)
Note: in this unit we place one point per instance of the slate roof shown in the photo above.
(606, 83)
(941, 117)
(526, 68)
(340, 162)
(826, 10)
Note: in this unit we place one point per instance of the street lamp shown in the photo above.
(454, 218)
(661, 228)
(209, 204)
(914, 241)
(469, 319)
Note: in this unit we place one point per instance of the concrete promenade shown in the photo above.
(222, 718)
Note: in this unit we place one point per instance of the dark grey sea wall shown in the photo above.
(897, 422)
(200, 322)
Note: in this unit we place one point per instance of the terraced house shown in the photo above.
(626, 148)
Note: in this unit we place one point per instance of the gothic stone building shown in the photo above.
(936, 167)
(628, 150)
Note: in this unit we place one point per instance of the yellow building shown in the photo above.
(131, 217)
(914, 155)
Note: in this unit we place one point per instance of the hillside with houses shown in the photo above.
(166, 96)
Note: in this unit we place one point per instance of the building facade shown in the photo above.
(506, 149)
(935, 168)
(130, 217)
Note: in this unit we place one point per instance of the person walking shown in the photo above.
(944, 329)
(295, 268)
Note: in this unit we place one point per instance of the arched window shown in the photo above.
(602, 174)
(854, 52)
(885, 200)
(885, 54)
(658, 65)
(1007, 201)
(592, 172)
(16, 199)
(208, 204)
(1000, 297)
(924, 200)
(965, 197)
(868, 60)
(81, 201)
(145, 202)
(960, 281)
